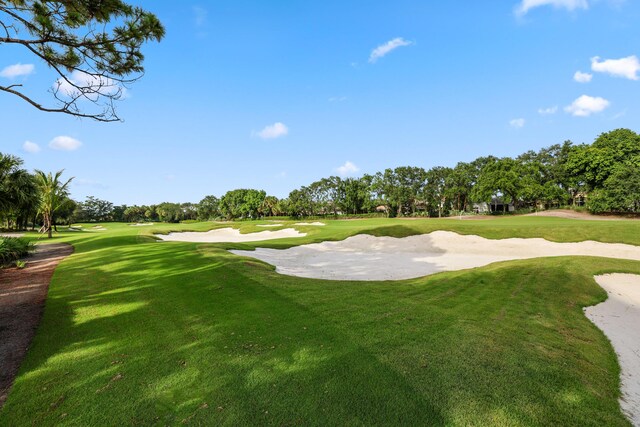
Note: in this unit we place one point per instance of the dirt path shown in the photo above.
(22, 296)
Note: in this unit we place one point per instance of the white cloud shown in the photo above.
(273, 131)
(517, 123)
(526, 5)
(347, 169)
(92, 85)
(200, 16)
(581, 77)
(64, 143)
(17, 70)
(624, 67)
(586, 105)
(548, 111)
(82, 182)
(618, 115)
(389, 46)
(31, 147)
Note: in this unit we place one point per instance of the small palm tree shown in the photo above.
(52, 194)
(11, 175)
(17, 190)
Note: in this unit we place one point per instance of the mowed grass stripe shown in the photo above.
(137, 332)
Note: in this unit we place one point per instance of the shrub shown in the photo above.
(13, 248)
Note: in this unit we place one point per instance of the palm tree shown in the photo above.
(9, 169)
(52, 194)
(269, 206)
(17, 189)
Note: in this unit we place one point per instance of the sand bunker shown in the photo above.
(222, 235)
(141, 224)
(365, 257)
(571, 214)
(10, 234)
(619, 319)
(310, 223)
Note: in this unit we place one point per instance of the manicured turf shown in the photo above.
(139, 332)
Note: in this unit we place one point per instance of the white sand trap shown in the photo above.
(269, 225)
(310, 223)
(141, 224)
(11, 234)
(619, 319)
(365, 257)
(224, 235)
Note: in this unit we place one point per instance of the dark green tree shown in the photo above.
(436, 189)
(355, 195)
(94, 209)
(18, 193)
(593, 164)
(242, 203)
(117, 213)
(459, 185)
(299, 203)
(620, 193)
(134, 213)
(209, 208)
(399, 189)
(499, 178)
(270, 206)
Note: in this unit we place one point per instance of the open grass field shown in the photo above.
(140, 332)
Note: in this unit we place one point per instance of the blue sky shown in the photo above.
(274, 95)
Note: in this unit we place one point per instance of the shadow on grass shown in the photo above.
(152, 333)
(155, 334)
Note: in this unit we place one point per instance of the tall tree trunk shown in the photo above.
(47, 223)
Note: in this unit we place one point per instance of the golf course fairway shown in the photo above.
(138, 331)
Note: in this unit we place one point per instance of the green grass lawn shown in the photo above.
(140, 332)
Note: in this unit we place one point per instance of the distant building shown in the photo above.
(496, 205)
(580, 199)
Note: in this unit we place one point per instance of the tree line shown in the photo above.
(603, 176)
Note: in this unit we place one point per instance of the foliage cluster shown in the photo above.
(13, 248)
(92, 47)
(605, 175)
(35, 198)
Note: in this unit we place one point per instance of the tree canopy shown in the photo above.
(606, 174)
(94, 48)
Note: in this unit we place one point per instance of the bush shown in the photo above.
(12, 248)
